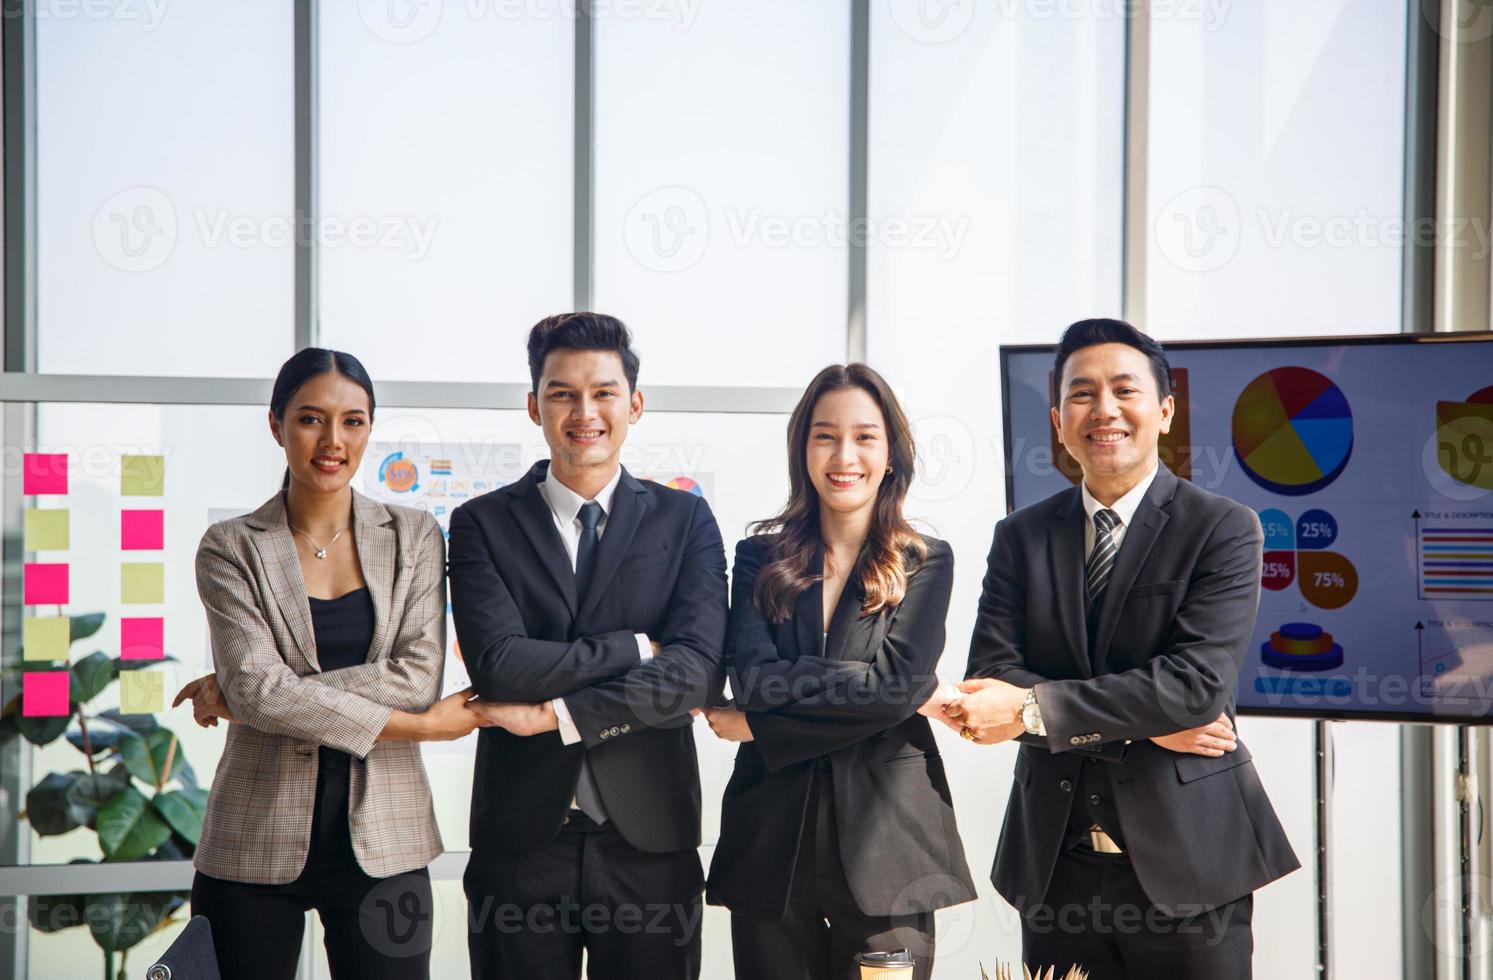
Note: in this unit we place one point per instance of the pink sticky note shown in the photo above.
(142, 638)
(142, 530)
(44, 584)
(44, 693)
(44, 473)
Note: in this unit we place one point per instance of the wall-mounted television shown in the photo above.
(1370, 463)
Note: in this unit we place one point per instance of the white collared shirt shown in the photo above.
(565, 507)
(1125, 508)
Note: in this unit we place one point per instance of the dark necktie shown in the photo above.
(587, 797)
(1102, 559)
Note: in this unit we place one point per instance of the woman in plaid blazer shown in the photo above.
(327, 612)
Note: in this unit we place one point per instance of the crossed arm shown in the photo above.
(1177, 699)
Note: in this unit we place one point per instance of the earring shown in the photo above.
(888, 471)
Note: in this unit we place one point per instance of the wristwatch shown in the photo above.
(1031, 714)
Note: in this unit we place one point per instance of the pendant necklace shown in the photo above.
(321, 552)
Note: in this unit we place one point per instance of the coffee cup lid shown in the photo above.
(896, 957)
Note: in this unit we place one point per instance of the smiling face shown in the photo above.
(1110, 417)
(847, 453)
(324, 432)
(585, 408)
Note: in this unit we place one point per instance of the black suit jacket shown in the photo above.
(1171, 636)
(660, 570)
(856, 707)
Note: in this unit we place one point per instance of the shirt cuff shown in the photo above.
(569, 734)
(645, 647)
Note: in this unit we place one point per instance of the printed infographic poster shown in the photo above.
(1370, 466)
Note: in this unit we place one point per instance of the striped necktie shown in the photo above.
(1102, 559)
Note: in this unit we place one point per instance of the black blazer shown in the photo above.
(1172, 634)
(661, 570)
(856, 706)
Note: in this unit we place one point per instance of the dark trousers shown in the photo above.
(824, 930)
(1097, 916)
(375, 927)
(636, 915)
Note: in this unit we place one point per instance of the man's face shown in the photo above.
(1109, 416)
(585, 407)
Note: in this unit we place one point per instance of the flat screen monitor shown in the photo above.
(1369, 461)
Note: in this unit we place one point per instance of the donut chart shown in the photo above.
(1292, 430)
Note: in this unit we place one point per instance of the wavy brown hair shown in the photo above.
(892, 550)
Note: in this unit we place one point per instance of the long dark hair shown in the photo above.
(310, 363)
(892, 550)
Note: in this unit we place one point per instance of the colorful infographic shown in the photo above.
(1456, 560)
(1464, 438)
(1297, 552)
(1293, 430)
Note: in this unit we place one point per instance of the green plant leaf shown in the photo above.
(9, 726)
(145, 756)
(134, 723)
(91, 675)
(119, 921)
(100, 739)
(91, 793)
(128, 829)
(43, 731)
(53, 913)
(82, 627)
(48, 807)
(183, 810)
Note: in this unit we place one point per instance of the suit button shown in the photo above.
(1066, 786)
(1076, 740)
(1094, 800)
(626, 729)
(604, 733)
(615, 729)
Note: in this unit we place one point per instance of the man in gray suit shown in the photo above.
(1113, 622)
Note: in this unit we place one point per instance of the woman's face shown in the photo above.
(848, 452)
(324, 432)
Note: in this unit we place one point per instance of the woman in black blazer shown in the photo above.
(837, 829)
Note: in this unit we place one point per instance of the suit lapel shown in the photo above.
(629, 507)
(276, 549)
(808, 613)
(846, 621)
(537, 522)
(379, 556)
(1065, 549)
(1139, 539)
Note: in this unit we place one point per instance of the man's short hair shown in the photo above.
(581, 331)
(1087, 333)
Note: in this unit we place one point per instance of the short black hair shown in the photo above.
(581, 331)
(1087, 333)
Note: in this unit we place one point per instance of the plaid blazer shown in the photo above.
(258, 823)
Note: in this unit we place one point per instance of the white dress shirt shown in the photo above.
(1124, 508)
(565, 507)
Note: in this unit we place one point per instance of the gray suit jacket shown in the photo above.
(258, 823)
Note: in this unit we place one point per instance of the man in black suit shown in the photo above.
(1113, 623)
(591, 611)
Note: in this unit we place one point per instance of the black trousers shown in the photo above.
(635, 914)
(824, 930)
(375, 927)
(1097, 916)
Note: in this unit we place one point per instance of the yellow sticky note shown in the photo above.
(142, 476)
(45, 637)
(142, 582)
(47, 530)
(141, 692)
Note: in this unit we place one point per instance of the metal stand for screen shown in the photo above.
(1322, 784)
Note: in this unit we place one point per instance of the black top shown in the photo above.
(343, 628)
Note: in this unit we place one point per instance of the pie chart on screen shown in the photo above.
(1293, 430)
(685, 483)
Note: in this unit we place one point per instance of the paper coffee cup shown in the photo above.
(895, 965)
